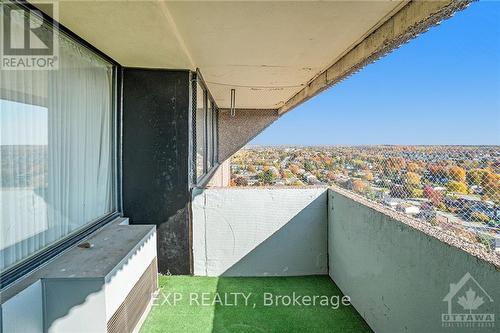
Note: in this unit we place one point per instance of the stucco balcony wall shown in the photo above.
(260, 231)
(399, 277)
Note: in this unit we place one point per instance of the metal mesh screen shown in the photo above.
(210, 136)
(204, 130)
(192, 125)
(216, 134)
(456, 188)
(200, 136)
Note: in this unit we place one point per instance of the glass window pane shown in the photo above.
(56, 151)
(200, 131)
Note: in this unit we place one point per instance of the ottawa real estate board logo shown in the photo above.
(28, 43)
(469, 305)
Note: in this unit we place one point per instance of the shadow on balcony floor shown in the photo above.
(198, 308)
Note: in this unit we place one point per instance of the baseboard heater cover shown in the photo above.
(126, 318)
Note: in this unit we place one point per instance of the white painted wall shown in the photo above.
(23, 312)
(260, 231)
(74, 305)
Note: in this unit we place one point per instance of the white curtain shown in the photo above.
(56, 151)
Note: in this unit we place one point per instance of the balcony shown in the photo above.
(236, 312)
(318, 241)
(147, 101)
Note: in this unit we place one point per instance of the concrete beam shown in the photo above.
(413, 19)
(236, 131)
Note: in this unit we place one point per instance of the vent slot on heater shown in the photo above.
(130, 311)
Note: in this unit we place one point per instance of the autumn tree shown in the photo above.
(294, 169)
(491, 186)
(413, 167)
(368, 176)
(359, 186)
(437, 170)
(241, 181)
(480, 217)
(457, 174)
(413, 179)
(399, 191)
(396, 163)
(416, 192)
(455, 186)
(434, 196)
(359, 164)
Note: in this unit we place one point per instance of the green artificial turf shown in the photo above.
(193, 313)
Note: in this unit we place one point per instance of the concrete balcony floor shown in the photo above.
(188, 315)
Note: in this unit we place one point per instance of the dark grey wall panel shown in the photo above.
(155, 160)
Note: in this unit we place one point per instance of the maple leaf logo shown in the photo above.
(470, 301)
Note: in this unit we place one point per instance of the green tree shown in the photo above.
(475, 176)
(267, 177)
(308, 165)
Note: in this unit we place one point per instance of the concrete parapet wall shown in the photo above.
(260, 231)
(398, 276)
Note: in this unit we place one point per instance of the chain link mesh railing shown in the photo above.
(455, 188)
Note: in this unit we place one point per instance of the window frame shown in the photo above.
(42, 256)
(209, 105)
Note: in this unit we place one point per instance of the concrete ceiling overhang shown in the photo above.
(267, 51)
(274, 54)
